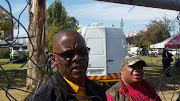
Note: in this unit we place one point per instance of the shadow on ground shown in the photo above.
(160, 82)
(12, 80)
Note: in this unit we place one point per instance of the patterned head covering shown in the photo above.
(131, 60)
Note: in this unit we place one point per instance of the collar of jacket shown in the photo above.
(124, 90)
(61, 83)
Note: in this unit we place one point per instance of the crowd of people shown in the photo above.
(70, 83)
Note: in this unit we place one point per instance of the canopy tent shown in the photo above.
(171, 42)
(174, 43)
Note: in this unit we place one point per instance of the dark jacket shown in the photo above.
(178, 97)
(119, 92)
(166, 54)
(57, 89)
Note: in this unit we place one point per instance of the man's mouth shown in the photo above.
(77, 68)
(137, 76)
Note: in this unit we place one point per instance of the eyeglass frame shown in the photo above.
(75, 51)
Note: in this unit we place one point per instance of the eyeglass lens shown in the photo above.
(70, 54)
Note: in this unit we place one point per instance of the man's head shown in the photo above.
(69, 49)
(132, 70)
(167, 48)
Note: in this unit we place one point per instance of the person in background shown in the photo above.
(69, 83)
(178, 99)
(48, 62)
(132, 86)
(166, 63)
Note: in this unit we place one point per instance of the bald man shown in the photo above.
(70, 56)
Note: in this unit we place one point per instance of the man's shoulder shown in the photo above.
(95, 89)
(114, 88)
(42, 93)
(115, 94)
(46, 91)
(92, 83)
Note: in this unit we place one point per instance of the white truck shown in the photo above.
(18, 53)
(107, 49)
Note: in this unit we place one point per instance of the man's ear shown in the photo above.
(121, 70)
(52, 56)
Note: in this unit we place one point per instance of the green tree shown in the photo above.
(157, 30)
(72, 23)
(57, 19)
(5, 23)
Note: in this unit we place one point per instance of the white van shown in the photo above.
(18, 52)
(107, 49)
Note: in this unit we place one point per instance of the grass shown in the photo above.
(154, 61)
(168, 87)
(11, 70)
(15, 80)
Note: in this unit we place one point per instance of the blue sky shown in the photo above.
(91, 11)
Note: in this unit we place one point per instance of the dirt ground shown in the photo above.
(167, 88)
(18, 95)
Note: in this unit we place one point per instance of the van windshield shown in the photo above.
(16, 48)
(24, 47)
(20, 48)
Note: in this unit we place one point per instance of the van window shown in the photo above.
(16, 48)
(96, 45)
(24, 47)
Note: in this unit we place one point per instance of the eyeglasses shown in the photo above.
(135, 67)
(70, 54)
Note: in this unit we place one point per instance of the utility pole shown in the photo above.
(36, 47)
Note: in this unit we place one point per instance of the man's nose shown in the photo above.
(77, 57)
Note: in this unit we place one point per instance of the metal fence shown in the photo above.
(12, 74)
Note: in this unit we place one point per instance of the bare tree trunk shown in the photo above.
(36, 29)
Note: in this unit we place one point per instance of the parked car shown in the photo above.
(174, 51)
(134, 50)
(155, 52)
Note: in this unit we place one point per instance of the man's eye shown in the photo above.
(67, 55)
